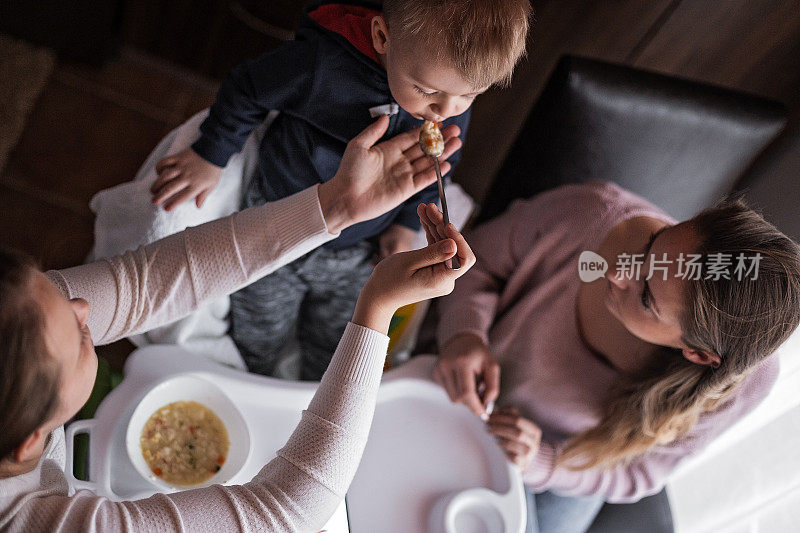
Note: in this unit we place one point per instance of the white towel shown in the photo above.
(126, 219)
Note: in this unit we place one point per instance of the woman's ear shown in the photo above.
(31, 448)
(380, 34)
(700, 357)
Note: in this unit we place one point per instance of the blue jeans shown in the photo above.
(551, 513)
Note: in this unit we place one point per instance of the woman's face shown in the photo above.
(651, 309)
(68, 341)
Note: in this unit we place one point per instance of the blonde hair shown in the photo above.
(484, 39)
(742, 321)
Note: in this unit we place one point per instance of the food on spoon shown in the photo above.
(184, 443)
(430, 139)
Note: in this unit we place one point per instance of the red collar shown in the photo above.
(351, 22)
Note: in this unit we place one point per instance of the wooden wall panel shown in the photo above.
(748, 45)
(210, 36)
(611, 29)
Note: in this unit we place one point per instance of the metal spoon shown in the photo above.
(431, 142)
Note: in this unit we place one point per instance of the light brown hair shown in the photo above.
(483, 39)
(28, 373)
(743, 321)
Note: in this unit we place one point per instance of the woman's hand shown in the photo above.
(519, 437)
(464, 363)
(409, 277)
(375, 178)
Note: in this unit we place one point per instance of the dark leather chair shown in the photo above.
(772, 184)
(678, 143)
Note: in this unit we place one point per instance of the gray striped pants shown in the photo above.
(311, 298)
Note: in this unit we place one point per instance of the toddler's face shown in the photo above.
(425, 88)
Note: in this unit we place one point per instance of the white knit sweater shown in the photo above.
(161, 282)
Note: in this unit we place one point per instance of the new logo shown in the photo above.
(591, 266)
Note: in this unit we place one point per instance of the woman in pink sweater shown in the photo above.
(605, 386)
(49, 324)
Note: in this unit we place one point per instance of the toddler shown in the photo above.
(413, 60)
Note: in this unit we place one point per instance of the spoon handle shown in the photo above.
(443, 198)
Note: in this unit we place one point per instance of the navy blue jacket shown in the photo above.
(324, 87)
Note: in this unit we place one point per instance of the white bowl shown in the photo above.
(189, 387)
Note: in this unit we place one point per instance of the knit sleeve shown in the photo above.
(648, 473)
(278, 80)
(570, 216)
(498, 246)
(297, 491)
(169, 278)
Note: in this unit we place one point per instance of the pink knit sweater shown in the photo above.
(163, 281)
(520, 298)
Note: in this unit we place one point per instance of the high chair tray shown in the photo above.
(429, 465)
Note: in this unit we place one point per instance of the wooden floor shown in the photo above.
(91, 129)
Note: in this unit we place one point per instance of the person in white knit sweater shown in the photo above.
(50, 323)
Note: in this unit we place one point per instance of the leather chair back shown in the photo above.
(678, 143)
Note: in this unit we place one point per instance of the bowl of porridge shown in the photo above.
(186, 433)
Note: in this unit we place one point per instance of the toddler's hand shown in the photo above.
(182, 177)
(396, 238)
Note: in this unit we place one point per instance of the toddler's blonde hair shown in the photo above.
(484, 39)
